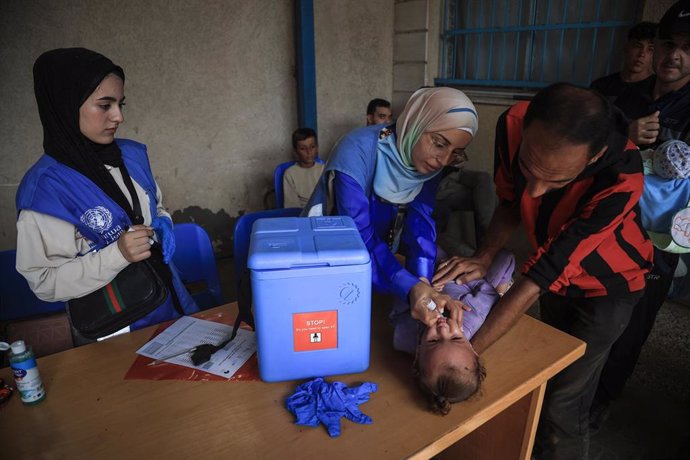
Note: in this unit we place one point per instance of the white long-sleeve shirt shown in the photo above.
(49, 249)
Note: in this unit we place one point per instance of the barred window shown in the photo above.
(532, 43)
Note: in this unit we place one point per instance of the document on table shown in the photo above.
(188, 332)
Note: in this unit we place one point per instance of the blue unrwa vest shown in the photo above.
(355, 156)
(53, 188)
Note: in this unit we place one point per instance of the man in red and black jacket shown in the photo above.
(566, 170)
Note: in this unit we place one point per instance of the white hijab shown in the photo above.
(428, 110)
(433, 110)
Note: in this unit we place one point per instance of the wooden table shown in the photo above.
(92, 412)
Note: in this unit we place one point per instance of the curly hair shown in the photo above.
(452, 385)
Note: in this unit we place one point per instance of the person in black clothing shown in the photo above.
(660, 114)
(637, 66)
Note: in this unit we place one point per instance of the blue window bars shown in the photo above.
(532, 43)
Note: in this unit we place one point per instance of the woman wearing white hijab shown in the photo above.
(383, 177)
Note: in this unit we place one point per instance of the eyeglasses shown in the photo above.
(439, 145)
(458, 158)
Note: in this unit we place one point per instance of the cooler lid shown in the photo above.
(302, 242)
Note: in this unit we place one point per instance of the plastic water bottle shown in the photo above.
(23, 364)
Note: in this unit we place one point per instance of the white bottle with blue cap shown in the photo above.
(25, 370)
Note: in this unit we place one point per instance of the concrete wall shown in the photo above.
(411, 50)
(210, 88)
(354, 55)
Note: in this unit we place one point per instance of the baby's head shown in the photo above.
(446, 366)
(671, 160)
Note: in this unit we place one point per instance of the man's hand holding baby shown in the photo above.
(460, 270)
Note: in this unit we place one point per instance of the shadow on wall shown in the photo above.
(219, 226)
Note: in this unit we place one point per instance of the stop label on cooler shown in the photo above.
(315, 330)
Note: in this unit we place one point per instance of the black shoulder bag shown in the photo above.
(136, 291)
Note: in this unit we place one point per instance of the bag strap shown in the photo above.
(136, 205)
(139, 219)
(175, 298)
(244, 303)
(396, 231)
(165, 273)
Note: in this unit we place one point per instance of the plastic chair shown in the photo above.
(17, 300)
(278, 181)
(243, 230)
(196, 264)
(241, 236)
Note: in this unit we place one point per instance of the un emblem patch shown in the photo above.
(98, 219)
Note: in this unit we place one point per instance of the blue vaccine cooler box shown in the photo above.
(311, 285)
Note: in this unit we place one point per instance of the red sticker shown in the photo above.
(316, 330)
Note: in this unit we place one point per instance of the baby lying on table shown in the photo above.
(446, 366)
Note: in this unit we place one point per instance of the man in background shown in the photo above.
(659, 114)
(300, 179)
(637, 64)
(378, 112)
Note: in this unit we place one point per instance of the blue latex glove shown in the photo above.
(164, 232)
(318, 401)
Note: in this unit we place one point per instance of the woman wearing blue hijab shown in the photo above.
(385, 179)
